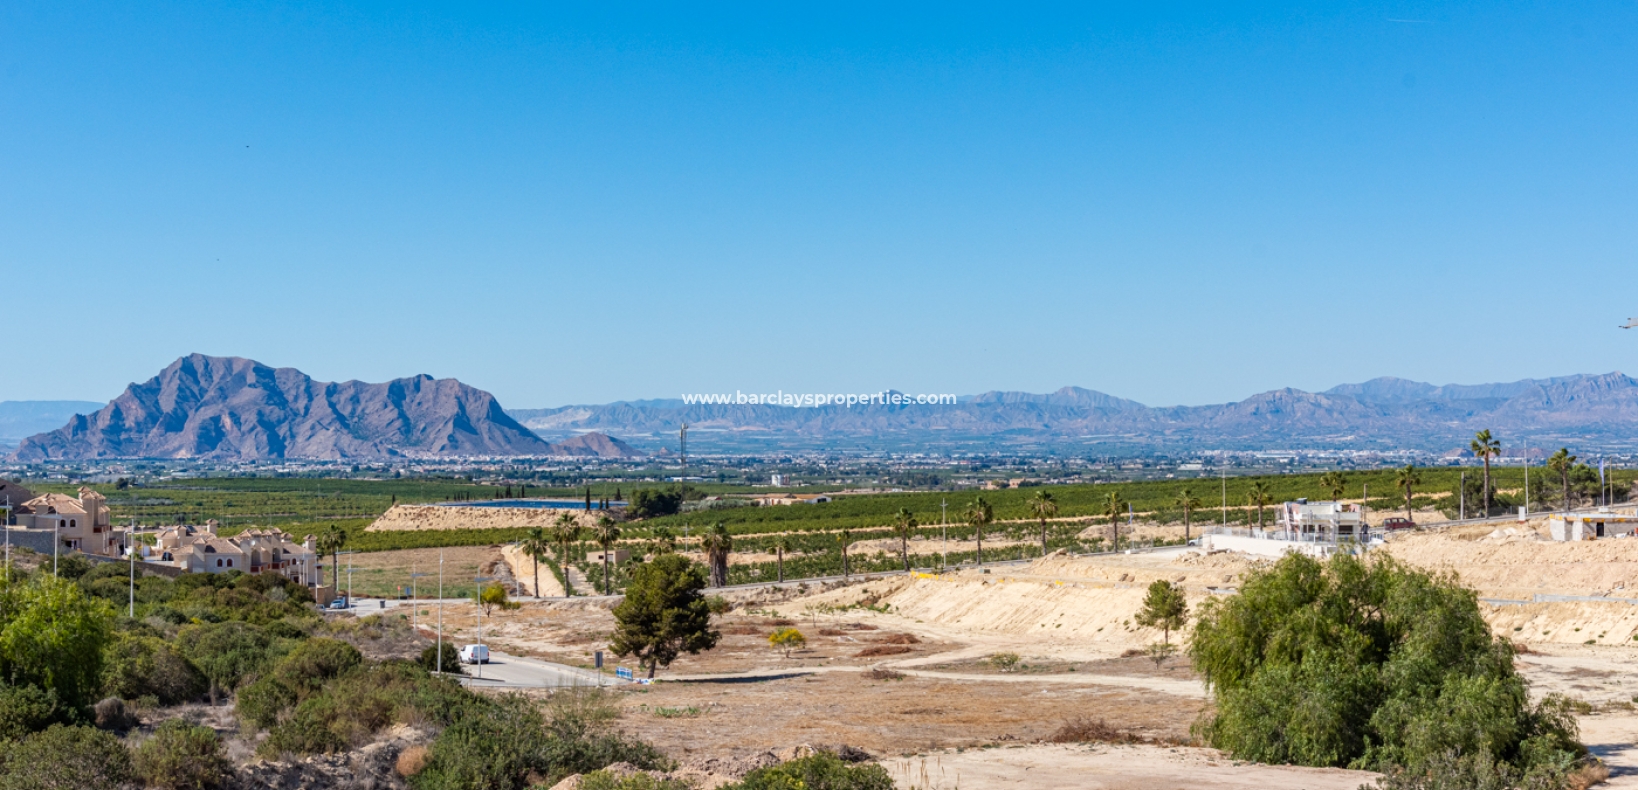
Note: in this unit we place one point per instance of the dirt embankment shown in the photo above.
(443, 517)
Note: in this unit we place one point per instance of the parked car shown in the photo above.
(339, 603)
(1398, 522)
(475, 654)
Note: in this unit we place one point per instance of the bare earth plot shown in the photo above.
(898, 666)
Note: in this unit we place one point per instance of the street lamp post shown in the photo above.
(440, 662)
(478, 654)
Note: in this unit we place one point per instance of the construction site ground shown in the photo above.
(904, 667)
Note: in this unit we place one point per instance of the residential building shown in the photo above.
(198, 549)
(81, 523)
(1330, 521)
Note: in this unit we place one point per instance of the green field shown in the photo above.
(303, 506)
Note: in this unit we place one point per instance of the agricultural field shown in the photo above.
(812, 536)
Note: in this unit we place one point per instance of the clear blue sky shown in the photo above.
(1179, 204)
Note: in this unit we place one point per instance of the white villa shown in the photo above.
(198, 549)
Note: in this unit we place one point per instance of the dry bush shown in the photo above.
(1587, 775)
(881, 650)
(832, 632)
(1522, 649)
(860, 627)
(878, 673)
(898, 639)
(411, 761)
(1089, 731)
(779, 622)
(742, 630)
(1132, 653)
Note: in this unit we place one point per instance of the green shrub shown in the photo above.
(139, 666)
(261, 703)
(181, 756)
(315, 661)
(52, 636)
(350, 709)
(821, 771)
(1368, 664)
(603, 780)
(29, 709)
(226, 652)
(65, 758)
(451, 658)
(499, 743)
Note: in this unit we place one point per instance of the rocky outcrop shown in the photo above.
(372, 767)
(227, 408)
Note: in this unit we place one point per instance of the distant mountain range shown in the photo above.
(19, 419)
(232, 409)
(1588, 411)
(237, 409)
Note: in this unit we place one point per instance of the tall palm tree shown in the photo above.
(607, 532)
(537, 547)
(717, 544)
(1258, 496)
(844, 539)
(1114, 507)
(1335, 482)
(1044, 507)
(565, 532)
(664, 541)
(1407, 479)
(783, 544)
(330, 543)
(1563, 463)
(1187, 503)
(980, 515)
(904, 525)
(1485, 447)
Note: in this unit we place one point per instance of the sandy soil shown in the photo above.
(416, 517)
(387, 573)
(1104, 767)
(524, 570)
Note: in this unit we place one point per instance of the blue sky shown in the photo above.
(1179, 204)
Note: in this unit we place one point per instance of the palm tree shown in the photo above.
(980, 515)
(783, 544)
(536, 546)
(664, 541)
(1044, 507)
(717, 544)
(1188, 504)
(565, 531)
(1335, 482)
(1259, 497)
(607, 532)
(1485, 448)
(844, 538)
(904, 525)
(330, 543)
(1114, 507)
(1408, 479)
(1563, 463)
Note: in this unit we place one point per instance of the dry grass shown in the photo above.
(1586, 776)
(898, 639)
(882, 650)
(878, 673)
(411, 761)
(1089, 731)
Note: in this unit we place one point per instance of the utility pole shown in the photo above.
(8, 538)
(1461, 515)
(479, 654)
(944, 529)
(440, 611)
(1526, 482)
(55, 542)
(1224, 473)
(683, 434)
(131, 549)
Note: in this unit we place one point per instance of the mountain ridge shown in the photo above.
(231, 408)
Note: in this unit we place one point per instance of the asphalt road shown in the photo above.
(516, 672)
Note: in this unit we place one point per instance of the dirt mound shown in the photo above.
(419, 517)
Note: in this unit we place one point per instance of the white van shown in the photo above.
(475, 654)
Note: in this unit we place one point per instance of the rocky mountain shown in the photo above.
(237, 409)
(595, 445)
(1593, 412)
